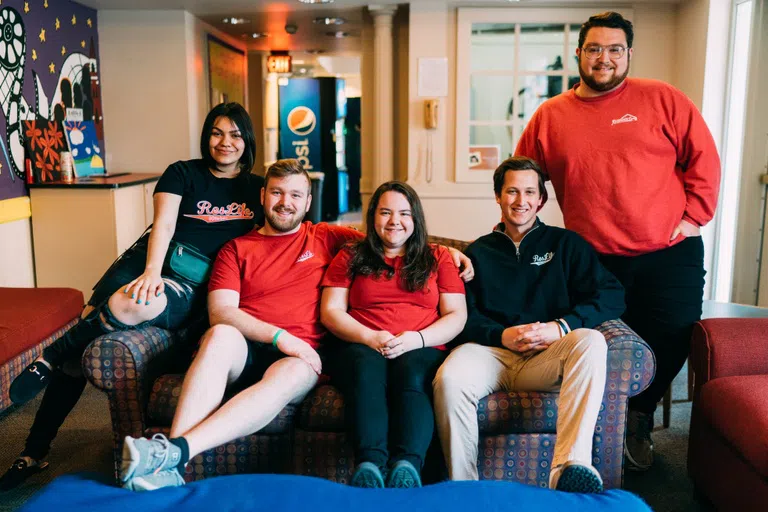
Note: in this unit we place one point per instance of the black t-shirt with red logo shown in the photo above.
(213, 210)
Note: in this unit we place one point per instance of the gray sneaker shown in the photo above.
(144, 456)
(638, 445)
(154, 481)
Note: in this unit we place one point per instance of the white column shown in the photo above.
(383, 106)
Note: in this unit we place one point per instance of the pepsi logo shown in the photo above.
(301, 121)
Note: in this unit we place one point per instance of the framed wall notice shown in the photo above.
(484, 157)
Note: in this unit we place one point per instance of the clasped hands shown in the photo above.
(391, 346)
(530, 338)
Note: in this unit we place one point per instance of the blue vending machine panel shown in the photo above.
(300, 122)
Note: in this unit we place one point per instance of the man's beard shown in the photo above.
(283, 225)
(602, 86)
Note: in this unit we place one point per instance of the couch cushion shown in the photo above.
(517, 412)
(737, 408)
(165, 397)
(29, 315)
(322, 410)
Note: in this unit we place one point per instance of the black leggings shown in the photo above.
(388, 403)
(664, 292)
(186, 303)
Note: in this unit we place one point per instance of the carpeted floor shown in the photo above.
(84, 444)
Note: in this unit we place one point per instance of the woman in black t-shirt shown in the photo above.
(199, 205)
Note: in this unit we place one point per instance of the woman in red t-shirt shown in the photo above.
(397, 300)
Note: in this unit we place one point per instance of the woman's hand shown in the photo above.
(378, 340)
(145, 287)
(400, 344)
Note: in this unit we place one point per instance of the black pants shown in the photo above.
(186, 303)
(388, 402)
(664, 292)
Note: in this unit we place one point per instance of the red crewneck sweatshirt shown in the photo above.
(626, 166)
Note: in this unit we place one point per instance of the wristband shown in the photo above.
(423, 344)
(277, 335)
(561, 323)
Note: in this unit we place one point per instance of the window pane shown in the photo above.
(534, 91)
(490, 97)
(494, 135)
(492, 47)
(541, 47)
(572, 63)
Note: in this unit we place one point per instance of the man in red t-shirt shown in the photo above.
(636, 173)
(264, 306)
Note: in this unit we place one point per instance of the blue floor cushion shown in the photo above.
(276, 493)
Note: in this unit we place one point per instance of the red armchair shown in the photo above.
(728, 444)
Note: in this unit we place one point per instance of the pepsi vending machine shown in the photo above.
(312, 112)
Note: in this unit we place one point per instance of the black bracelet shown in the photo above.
(423, 344)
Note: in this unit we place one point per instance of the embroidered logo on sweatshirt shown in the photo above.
(541, 260)
(211, 214)
(626, 118)
(304, 257)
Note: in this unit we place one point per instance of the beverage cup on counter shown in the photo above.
(67, 167)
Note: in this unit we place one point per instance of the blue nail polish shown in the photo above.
(133, 295)
(146, 303)
(126, 290)
(157, 293)
(138, 301)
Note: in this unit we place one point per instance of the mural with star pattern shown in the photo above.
(48, 63)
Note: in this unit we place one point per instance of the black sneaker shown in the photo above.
(29, 383)
(19, 471)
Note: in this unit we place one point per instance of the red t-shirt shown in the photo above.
(278, 277)
(384, 304)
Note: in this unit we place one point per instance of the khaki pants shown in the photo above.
(575, 365)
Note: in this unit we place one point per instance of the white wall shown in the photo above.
(16, 268)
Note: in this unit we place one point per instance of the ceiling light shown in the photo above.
(337, 35)
(330, 21)
(316, 1)
(236, 21)
(257, 35)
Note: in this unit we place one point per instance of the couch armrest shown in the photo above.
(724, 347)
(124, 364)
(631, 363)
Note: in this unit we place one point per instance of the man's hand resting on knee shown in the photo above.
(290, 345)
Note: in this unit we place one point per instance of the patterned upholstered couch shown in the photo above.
(517, 429)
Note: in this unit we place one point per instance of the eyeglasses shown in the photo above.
(615, 51)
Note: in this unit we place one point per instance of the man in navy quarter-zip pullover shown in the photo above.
(537, 294)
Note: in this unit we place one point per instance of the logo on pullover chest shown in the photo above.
(212, 214)
(541, 260)
(304, 257)
(626, 118)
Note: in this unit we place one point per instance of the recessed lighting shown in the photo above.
(236, 21)
(316, 1)
(330, 21)
(339, 34)
(303, 70)
(257, 35)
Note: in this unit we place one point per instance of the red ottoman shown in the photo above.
(30, 320)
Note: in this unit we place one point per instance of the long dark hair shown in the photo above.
(238, 115)
(368, 254)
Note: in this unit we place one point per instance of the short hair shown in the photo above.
(287, 167)
(518, 163)
(239, 116)
(608, 19)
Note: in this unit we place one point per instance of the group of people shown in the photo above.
(415, 334)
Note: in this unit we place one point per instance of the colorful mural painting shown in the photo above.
(48, 64)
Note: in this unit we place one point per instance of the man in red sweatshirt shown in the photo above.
(636, 173)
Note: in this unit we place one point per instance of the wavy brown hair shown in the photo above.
(368, 254)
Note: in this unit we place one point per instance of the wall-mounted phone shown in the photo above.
(431, 108)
